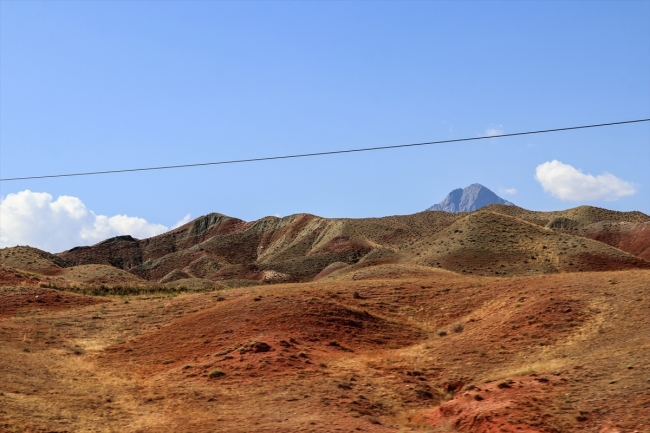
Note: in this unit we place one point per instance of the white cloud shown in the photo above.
(33, 218)
(184, 221)
(569, 184)
(509, 191)
(493, 131)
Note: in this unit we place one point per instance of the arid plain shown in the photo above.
(498, 320)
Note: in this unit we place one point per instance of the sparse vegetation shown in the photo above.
(364, 343)
(126, 290)
(216, 374)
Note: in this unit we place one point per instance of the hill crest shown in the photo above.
(299, 247)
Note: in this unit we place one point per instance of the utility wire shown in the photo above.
(333, 152)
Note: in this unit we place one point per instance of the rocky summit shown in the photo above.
(469, 199)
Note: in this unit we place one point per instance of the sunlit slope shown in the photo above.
(496, 240)
(489, 243)
(31, 259)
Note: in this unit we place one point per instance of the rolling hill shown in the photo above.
(497, 239)
(496, 320)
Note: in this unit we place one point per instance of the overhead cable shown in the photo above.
(333, 152)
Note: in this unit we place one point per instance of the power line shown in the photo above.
(333, 152)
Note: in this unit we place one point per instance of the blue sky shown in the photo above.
(107, 85)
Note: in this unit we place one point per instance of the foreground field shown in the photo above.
(391, 349)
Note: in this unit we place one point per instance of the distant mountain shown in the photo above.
(469, 199)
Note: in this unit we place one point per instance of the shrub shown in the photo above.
(505, 384)
(458, 327)
(442, 333)
(216, 373)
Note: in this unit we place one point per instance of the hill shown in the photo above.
(498, 239)
(32, 259)
(440, 352)
(293, 248)
(480, 322)
(627, 231)
(486, 242)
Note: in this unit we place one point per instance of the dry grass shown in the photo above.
(97, 366)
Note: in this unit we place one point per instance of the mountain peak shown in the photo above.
(469, 199)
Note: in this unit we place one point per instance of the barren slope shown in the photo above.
(222, 248)
(582, 214)
(32, 259)
(486, 242)
(300, 247)
(627, 231)
(539, 354)
(101, 274)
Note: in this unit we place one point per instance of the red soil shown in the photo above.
(516, 405)
(38, 299)
(12, 276)
(296, 334)
(629, 237)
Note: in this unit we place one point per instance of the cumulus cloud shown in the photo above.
(570, 184)
(184, 221)
(509, 191)
(493, 131)
(35, 219)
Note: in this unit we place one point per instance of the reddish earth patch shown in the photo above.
(330, 270)
(545, 354)
(342, 243)
(12, 276)
(515, 405)
(630, 237)
(603, 262)
(42, 299)
(298, 332)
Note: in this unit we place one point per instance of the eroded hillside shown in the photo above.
(392, 348)
(495, 240)
(499, 320)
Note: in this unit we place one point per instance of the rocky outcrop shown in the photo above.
(469, 199)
